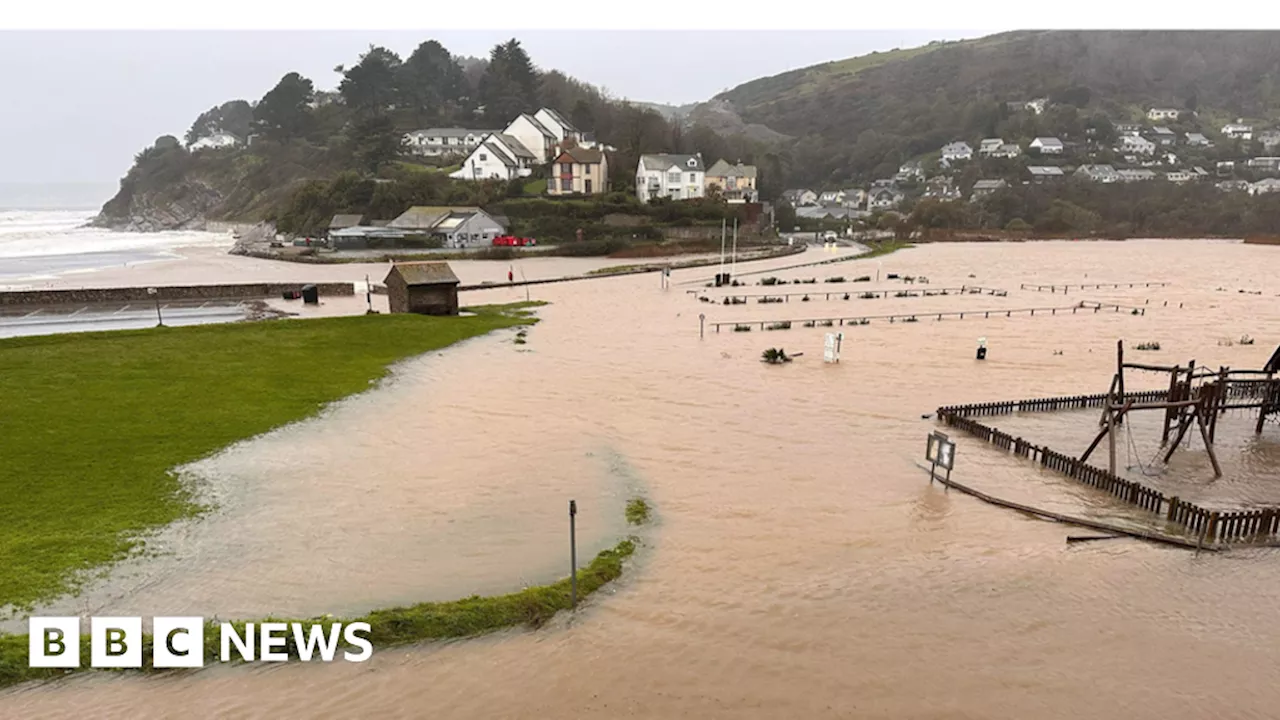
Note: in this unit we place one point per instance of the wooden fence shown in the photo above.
(1212, 525)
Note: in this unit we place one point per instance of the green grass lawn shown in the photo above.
(536, 187)
(91, 424)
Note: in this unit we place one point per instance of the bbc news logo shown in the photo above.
(178, 642)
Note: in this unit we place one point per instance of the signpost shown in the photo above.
(573, 554)
(940, 452)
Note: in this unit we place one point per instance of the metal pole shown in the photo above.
(159, 319)
(702, 325)
(723, 225)
(573, 554)
(733, 267)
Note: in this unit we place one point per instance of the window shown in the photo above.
(566, 168)
(566, 185)
(673, 178)
(693, 177)
(483, 157)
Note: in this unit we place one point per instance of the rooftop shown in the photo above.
(425, 273)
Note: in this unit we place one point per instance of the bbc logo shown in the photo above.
(178, 642)
(116, 642)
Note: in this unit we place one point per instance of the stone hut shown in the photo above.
(427, 288)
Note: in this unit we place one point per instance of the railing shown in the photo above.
(1212, 525)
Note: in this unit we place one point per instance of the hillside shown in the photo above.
(859, 118)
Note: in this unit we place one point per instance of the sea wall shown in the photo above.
(169, 292)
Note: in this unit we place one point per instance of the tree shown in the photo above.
(431, 83)
(376, 142)
(235, 117)
(509, 85)
(369, 87)
(582, 117)
(283, 113)
(784, 216)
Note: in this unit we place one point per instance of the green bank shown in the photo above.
(93, 424)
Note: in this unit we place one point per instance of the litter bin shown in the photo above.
(310, 294)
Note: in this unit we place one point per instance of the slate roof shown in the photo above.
(583, 155)
(662, 162)
(721, 168)
(425, 273)
(564, 123)
(345, 221)
(425, 217)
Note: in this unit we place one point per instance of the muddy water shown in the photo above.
(800, 564)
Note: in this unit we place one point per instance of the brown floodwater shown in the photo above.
(800, 564)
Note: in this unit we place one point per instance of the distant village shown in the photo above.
(1149, 151)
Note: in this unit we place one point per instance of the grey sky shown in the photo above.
(78, 105)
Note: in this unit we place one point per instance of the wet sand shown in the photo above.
(800, 564)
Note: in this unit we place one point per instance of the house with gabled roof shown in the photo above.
(737, 183)
(989, 145)
(1097, 173)
(1163, 136)
(1047, 145)
(498, 157)
(533, 135)
(563, 130)
(1198, 139)
(983, 188)
(800, 197)
(1045, 173)
(455, 227)
(678, 177)
(427, 288)
(959, 150)
(579, 170)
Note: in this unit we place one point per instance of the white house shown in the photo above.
(982, 188)
(536, 137)
(855, 197)
(1098, 173)
(1136, 144)
(557, 124)
(1008, 150)
(1043, 173)
(436, 142)
(498, 157)
(1163, 135)
(1269, 139)
(215, 141)
(1179, 176)
(1198, 139)
(1238, 130)
(1158, 114)
(989, 145)
(957, 151)
(679, 177)
(1136, 175)
(800, 197)
(1128, 129)
(1268, 164)
(1047, 145)
(1265, 185)
(831, 197)
(910, 170)
(884, 198)
(1038, 105)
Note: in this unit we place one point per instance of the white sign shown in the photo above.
(831, 349)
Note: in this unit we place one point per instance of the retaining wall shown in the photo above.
(169, 292)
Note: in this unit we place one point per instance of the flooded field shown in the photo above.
(800, 564)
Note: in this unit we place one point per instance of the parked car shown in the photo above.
(513, 241)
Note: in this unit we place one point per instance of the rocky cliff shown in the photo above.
(186, 205)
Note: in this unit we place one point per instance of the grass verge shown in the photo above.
(94, 423)
(883, 248)
(532, 607)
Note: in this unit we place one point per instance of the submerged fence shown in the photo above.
(1212, 525)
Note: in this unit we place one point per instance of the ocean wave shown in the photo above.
(46, 233)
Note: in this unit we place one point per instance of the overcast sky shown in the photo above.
(78, 105)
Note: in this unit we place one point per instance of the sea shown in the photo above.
(44, 235)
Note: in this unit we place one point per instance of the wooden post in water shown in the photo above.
(1111, 439)
(573, 554)
(1120, 381)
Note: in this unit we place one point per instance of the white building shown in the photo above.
(1238, 130)
(679, 177)
(1008, 150)
(558, 125)
(1038, 105)
(498, 157)
(1098, 173)
(989, 145)
(1158, 114)
(215, 141)
(1047, 145)
(436, 142)
(957, 151)
(1136, 144)
(1266, 185)
(536, 137)
(1179, 176)
(1198, 139)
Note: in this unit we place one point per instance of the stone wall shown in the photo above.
(172, 292)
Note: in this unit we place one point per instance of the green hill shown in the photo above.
(858, 118)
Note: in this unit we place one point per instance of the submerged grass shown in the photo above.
(94, 423)
(531, 607)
